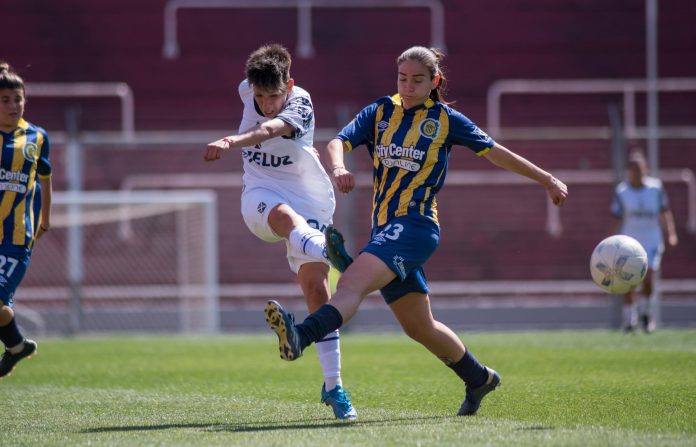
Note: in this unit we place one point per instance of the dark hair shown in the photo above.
(8, 78)
(269, 67)
(430, 58)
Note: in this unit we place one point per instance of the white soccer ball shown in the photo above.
(618, 264)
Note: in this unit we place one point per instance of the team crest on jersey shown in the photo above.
(429, 128)
(30, 152)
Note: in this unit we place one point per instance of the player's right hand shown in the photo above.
(557, 191)
(214, 150)
(344, 180)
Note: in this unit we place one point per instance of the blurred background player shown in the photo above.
(641, 206)
(25, 207)
(287, 194)
(409, 136)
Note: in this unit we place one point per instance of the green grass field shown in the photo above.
(558, 388)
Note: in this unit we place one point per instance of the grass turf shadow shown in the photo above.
(269, 426)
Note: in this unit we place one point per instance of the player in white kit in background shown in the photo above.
(287, 193)
(641, 206)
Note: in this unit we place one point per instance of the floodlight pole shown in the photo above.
(652, 126)
(73, 166)
(651, 80)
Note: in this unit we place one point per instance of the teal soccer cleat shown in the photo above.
(339, 401)
(336, 250)
(283, 324)
(9, 360)
(474, 396)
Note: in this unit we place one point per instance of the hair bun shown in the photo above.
(439, 55)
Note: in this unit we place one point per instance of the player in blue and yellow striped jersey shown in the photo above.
(409, 136)
(25, 207)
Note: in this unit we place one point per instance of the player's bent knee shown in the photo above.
(6, 315)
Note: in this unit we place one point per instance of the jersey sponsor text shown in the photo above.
(266, 159)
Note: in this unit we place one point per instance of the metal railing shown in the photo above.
(606, 177)
(554, 225)
(626, 87)
(305, 48)
(118, 90)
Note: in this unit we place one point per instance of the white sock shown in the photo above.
(309, 241)
(329, 353)
(16, 349)
(630, 315)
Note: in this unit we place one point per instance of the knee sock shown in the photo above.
(470, 370)
(11, 337)
(319, 324)
(329, 352)
(630, 315)
(309, 241)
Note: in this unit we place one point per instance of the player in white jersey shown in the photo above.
(641, 206)
(287, 194)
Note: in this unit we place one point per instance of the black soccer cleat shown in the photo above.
(648, 324)
(474, 396)
(9, 360)
(283, 324)
(630, 329)
(336, 250)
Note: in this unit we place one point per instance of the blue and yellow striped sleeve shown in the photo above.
(43, 165)
(362, 129)
(464, 132)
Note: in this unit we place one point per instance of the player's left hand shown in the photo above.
(214, 150)
(43, 228)
(557, 191)
(344, 180)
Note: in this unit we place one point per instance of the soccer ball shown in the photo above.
(618, 264)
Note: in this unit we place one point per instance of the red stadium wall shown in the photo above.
(489, 232)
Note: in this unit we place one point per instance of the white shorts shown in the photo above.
(258, 202)
(654, 252)
(654, 246)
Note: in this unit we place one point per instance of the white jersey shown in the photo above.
(286, 165)
(639, 210)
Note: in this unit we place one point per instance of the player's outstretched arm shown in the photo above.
(506, 159)
(344, 180)
(257, 134)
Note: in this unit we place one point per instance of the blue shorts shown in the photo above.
(13, 265)
(404, 244)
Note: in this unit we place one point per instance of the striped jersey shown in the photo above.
(24, 156)
(410, 151)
